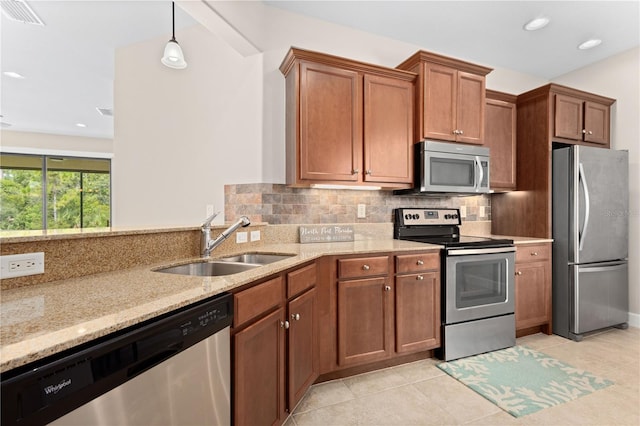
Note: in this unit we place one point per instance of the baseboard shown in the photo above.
(634, 320)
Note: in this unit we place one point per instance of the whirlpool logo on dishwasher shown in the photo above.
(54, 389)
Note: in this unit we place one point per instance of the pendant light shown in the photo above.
(173, 57)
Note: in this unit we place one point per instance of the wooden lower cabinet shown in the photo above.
(259, 367)
(417, 312)
(533, 289)
(365, 321)
(303, 345)
(275, 347)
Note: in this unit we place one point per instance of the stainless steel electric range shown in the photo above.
(477, 281)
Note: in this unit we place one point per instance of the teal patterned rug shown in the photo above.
(522, 381)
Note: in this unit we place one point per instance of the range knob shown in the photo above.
(454, 216)
(407, 216)
(416, 216)
(447, 216)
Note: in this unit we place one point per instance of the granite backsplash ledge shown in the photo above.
(279, 204)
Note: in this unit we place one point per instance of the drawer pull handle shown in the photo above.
(295, 317)
(534, 253)
(519, 273)
(420, 262)
(419, 278)
(365, 267)
(387, 288)
(284, 324)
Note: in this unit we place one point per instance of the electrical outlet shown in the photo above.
(20, 265)
(255, 235)
(463, 212)
(241, 237)
(210, 209)
(482, 211)
(362, 211)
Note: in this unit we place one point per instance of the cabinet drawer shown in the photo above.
(408, 263)
(363, 267)
(533, 253)
(300, 280)
(255, 301)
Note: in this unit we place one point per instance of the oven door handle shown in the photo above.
(491, 250)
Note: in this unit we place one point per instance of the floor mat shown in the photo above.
(522, 381)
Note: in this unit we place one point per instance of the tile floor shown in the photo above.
(420, 394)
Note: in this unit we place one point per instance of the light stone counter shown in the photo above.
(40, 320)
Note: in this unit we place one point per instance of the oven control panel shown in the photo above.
(421, 216)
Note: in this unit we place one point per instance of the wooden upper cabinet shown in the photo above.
(347, 122)
(450, 98)
(581, 117)
(330, 123)
(500, 138)
(388, 130)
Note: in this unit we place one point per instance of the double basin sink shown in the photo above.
(224, 266)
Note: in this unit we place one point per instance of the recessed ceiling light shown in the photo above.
(13, 74)
(81, 125)
(536, 24)
(589, 44)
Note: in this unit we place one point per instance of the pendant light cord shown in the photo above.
(173, 21)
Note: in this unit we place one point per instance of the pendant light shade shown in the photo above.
(173, 56)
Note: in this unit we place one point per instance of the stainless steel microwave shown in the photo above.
(443, 167)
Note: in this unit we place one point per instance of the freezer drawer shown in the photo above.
(600, 294)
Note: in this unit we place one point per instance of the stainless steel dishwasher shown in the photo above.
(172, 370)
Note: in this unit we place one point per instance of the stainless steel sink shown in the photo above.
(256, 258)
(212, 268)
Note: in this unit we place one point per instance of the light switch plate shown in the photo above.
(463, 212)
(362, 211)
(241, 237)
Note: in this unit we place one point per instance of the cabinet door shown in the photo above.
(417, 312)
(259, 372)
(568, 117)
(440, 95)
(596, 123)
(500, 138)
(365, 321)
(388, 130)
(533, 294)
(470, 108)
(330, 142)
(303, 345)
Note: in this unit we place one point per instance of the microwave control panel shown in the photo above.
(419, 216)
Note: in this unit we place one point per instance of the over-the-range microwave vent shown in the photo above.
(20, 11)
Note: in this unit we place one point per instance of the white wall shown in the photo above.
(180, 135)
(43, 142)
(619, 77)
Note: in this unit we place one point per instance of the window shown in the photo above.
(54, 192)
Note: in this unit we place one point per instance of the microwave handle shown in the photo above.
(479, 166)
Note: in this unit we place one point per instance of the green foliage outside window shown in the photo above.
(78, 193)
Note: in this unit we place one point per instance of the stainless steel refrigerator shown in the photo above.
(591, 234)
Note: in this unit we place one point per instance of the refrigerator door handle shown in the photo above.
(603, 267)
(585, 188)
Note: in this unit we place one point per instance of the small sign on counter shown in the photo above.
(326, 233)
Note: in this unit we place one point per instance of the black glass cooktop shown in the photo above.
(460, 241)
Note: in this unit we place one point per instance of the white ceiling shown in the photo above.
(491, 32)
(68, 63)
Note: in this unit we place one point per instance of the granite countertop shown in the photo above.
(44, 319)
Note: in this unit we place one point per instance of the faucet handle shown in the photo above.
(207, 222)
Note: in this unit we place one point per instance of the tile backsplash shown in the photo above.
(279, 204)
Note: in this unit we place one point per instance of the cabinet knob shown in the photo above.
(295, 317)
(420, 278)
(455, 132)
(460, 132)
(420, 262)
(369, 172)
(589, 132)
(519, 273)
(534, 253)
(387, 288)
(365, 267)
(284, 324)
(355, 171)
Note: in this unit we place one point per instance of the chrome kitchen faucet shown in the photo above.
(207, 244)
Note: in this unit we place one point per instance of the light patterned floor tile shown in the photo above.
(420, 394)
